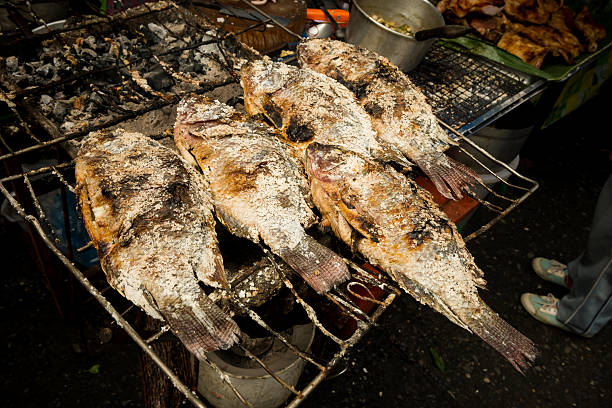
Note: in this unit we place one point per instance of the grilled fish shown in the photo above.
(258, 188)
(396, 225)
(400, 113)
(308, 106)
(150, 219)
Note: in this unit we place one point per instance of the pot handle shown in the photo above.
(447, 31)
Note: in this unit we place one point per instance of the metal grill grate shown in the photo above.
(464, 89)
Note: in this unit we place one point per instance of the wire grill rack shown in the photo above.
(468, 91)
(131, 70)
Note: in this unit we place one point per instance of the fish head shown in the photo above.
(198, 118)
(325, 162)
(200, 110)
(315, 53)
(260, 80)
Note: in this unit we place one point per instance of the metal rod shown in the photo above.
(157, 335)
(39, 209)
(309, 310)
(299, 37)
(269, 371)
(257, 319)
(348, 308)
(227, 380)
(338, 356)
(61, 178)
(500, 216)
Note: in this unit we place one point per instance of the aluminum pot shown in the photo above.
(402, 50)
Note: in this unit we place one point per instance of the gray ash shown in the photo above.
(87, 77)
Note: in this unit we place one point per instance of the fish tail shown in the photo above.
(449, 176)
(202, 327)
(488, 325)
(319, 266)
(520, 351)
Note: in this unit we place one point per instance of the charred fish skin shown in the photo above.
(147, 214)
(400, 113)
(400, 229)
(308, 106)
(258, 187)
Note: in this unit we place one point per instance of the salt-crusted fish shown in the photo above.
(400, 113)
(149, 216)
(397, 226)
(258, 188)
(308, 106)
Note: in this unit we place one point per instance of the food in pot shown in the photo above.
(396, 226)
(398, 109)
(150, 218)
(259, 190)
(400, 28)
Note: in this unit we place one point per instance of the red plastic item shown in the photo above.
(318, 16)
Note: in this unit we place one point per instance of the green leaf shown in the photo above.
(437, 359)
(94, 369)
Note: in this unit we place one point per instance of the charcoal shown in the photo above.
(12, 63)
(32, 67)
(96, 98)
(107, 60)
(92, 108)
(90, 42)
(45, 99)
(159, 32)
(67, 126)
(158, 79)
(60, 110)
(176, 29)
(89, 52)
(189, 67)
(46, 70)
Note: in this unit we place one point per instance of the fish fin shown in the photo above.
(519, 350)
(202, 327)
(449, 176)
(318, 265)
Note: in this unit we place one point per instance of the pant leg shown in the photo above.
(588, 306)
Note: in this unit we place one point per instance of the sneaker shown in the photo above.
(552, 271)
(544, 309)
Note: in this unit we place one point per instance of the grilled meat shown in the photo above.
(396, 225)
(308, 106)
(559, 43)
(150, 219)
(461, 8)
(563, 19)
(258, 188)
(531, 29)
(400, 113)
(591, 31)
(528, 11)
(524, 48)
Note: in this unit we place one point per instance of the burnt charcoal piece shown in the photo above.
(158, 79)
